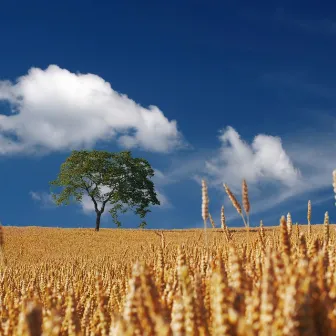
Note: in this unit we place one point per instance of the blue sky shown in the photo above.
(223, 92)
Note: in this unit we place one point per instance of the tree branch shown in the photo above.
(91, 196)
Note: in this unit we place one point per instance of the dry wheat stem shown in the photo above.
(205, 210)
(234, 202)
(212, 221)
(223, 224)
(309, 218)
(334, 182)
(246, 205)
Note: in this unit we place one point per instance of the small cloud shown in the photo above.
(164, 202)
(35, 195)
(44, 198)
(265, 160)
(160, 179)
(279, 171)
(87, 203)
(158, 175)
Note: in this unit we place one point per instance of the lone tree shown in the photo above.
(114, 178)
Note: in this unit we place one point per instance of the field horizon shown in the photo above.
(233, 228)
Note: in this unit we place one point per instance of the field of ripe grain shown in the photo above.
(144, 282)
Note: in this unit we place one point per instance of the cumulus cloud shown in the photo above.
(54, 110)
(265, 160)
(281, 172)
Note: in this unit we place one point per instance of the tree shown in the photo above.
(117, 179)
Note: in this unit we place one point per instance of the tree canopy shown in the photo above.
(116, 179)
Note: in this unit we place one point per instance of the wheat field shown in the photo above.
(218, 281)
(143, 282)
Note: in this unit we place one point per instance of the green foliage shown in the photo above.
(127, 180)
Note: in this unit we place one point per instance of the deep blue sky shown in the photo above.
(228, 66)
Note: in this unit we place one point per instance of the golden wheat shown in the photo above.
(309, 218)
(130, 282)
(334, 182)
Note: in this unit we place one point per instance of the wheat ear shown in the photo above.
(205, 209)
(234, 202)
(334, 182)
(246, 206)
(309, 219)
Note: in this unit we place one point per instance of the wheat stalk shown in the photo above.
(284, 236)
(326, 228)
(212, 221)
(223, 224)
(246, 202)
(237, 206)
(289, 224)
(309, 219)
(233, 199)
(246, 206)
(205, 209)
(235, 202)
(334, 182)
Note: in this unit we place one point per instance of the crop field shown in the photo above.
(278, 281)
(218, 281)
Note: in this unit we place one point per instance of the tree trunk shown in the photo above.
(98, 220)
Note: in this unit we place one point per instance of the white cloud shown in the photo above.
(281, 172)
(265, 160)
(44, 198)
(35, 196)
(164, 201)
(54, 110)
(88, 206)
(158, 175)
